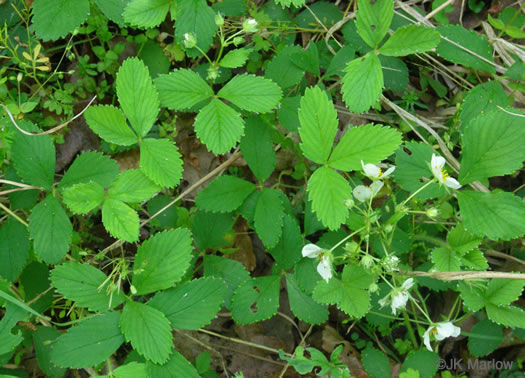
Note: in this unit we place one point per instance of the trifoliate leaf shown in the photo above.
(182, 89)
(373, 20)
(235, 58)
(90, 166)
(162, 260)
(485, 337)
(446, 260)
(256, 299)
(54, 19)
(481, 100)
(82, 198)
(196, 17)
(288, 250)
(362, 83)
(34, 157)
(328, 191)
(109, 123)
(503, 291)
(146, 13)
(193, 304)
(137, 95)
(51, 230)
(411, 39)
(318, 120)
(252, 93)
(14, 249)
(120, 220)
(370, 143)
(132, 186)
(494, 215)
(84, 284)
(224, 194)
(268, 218)
(257, 148)
(161, 161)
(89, 343)
(349, 293)
(465, 47)
(148, 330)
(492, 146)
(219, 127)
(509, 316)
(302, 305)
(230, 271)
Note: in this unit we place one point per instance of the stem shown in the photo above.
(418, 191)
(345, 239)
(409, 328)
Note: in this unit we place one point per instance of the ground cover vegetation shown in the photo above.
(261, 188)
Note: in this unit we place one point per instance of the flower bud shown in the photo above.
(19, 77)
(249, 25)
(432, 212)
(190, 40)
(238, 41)
(389, 228)
(367, 261)
(373, 288)
(213, 73)
(133, 290)
(219, 20)
(349, 203)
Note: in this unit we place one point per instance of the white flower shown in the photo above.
(398, 298)
(249, 25)
(374, 172)
(325, 265)
(440, 331)
(363, 193)
(437, 163)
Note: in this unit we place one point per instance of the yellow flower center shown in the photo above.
(444, 174)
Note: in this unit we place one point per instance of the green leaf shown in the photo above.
(12, 315)
(152, 54)
(485, 337)
(137, 95)
(473, 296)
(302, 305)
(288, 250)
(257, 148)
(375, 363)
(161, 161)
(182, 89)
(411, 39)
(14, 249)
(120, 220)
(34, 157)
(177, 366)
(362, 83)
(224, 194)
(230, 271)
(84, 284)
(422, 361)
(281, 69)
(94, 340)
(146, 13)
(410, 169)
(465, 47)
(43, 339)
(288, 3)
(252, 93)
(256, 299)
(131, 370)
(503, 291)
(132, 186)
(509, 316)
(492, 146)
(494, 215)
(193, 304)
(475, 260)
(446, 260)
(219, 127)
(162, 260)
(395, 73)
(195, 16)
(51, 230)
(318, 120)
(109, 123)
(82, 198)
(349, 293)
(268, 218)
(90, 166)
(373, 20)
(481, 99)
(461, 240)
(209, 229)
(328, 191)
(54, 19)
(235, 58)
(113, 9)
(370, 143)
(148, 330)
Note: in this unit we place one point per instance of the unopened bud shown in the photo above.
(349, 203)
(213, 73)
(432, 212)
(19, 77)
(190, 40)
(238, 41)
(133, 290)
(219, 20)
(367, 261)
(249, 26)
(373, 288)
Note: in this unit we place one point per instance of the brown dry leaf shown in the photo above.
(349, 356)
(128, 160)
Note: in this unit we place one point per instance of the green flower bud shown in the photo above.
(190, 40)
(238, 41)
(249, 25)
(219, 20)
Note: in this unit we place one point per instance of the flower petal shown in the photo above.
(376, 187)
(447, 329)
(324, 268)
(399, 301)
(388, 172)
(407, 284)
(311, 251)
(362, 193)
(372, 171)
(426, 338)
(452, 183)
